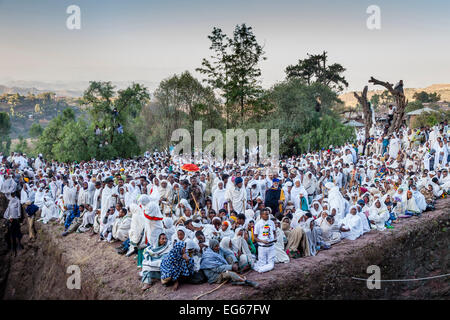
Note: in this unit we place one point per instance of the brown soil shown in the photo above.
(417, 247)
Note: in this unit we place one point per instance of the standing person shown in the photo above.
(237, 196)
(265, 236)
(12, 215)
(275, 197)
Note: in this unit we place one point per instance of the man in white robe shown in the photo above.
(351, 226)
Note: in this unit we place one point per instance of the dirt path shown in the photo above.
(107, 275)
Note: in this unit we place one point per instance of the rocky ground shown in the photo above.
(417, 247)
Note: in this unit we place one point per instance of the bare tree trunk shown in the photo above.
(367, 111)
(400, 101)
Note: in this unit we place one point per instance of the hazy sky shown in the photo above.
(151, 40)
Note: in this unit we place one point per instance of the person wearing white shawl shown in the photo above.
(440, 156)
(411, 207)
(444, 180)
(169, 229)
(237, 196)
(378, 215)
(335, 200)
(88, 220)
(164, 190)
(394, 146)
(83, 194)
(179, 235)
(179, 209)
(330, 232)
(316, 208)
(153, 193)
(212, 231)
(121, 225)
(226, 230)
(242, 250)
(351, 226)
(39, 197)
(8, 185)
(108, 198)
(296, 190)
(310, 184)
(153, 225)
(312, 234)
(49, 209)
(218, 198)
(152, 258)
(137, 225)
(420, 198)
(364, 216)
(280, 254)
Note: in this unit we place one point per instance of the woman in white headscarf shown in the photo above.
(226, 231)
(164, 190)
(316, 208)
(440, 156)
(179, 209)
(352, 226)
(296, 190)
(137, 226)
(218, 198)
(335, 199)
(330, 232)
(378, 215)
(179, 235)
(312, 234)
(280, 253)
(242, 250)
(227, 246)
(49, 209)
(169, 229)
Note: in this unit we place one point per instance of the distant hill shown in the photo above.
(72, 89)
(442, 89)
(25, 91)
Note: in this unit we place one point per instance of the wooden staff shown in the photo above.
(196, 204)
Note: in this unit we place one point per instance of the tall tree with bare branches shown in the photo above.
(367, 111)
(400, 101)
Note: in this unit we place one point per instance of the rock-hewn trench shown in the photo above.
(416, 248)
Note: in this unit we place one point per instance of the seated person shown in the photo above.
(217, 269)
(330, 232)
(176, 265)
(378, 215)
(351, 226)
(193, 251)
(151, 263)
(429, 197)
(122, 225)
(88, 219)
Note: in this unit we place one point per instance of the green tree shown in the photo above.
(178, 102)
(5, 127)
(315, 69)
(302, 128)
(21, 146)
(35, 130)
(425, 97)
(234, 70)
(53, 134)
(108, 111)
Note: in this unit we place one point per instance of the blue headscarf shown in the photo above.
(173, 265)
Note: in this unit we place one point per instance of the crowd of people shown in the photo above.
(218, 222)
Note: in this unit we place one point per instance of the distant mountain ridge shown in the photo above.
(72, 89)
(442, 89)
(25, 91)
